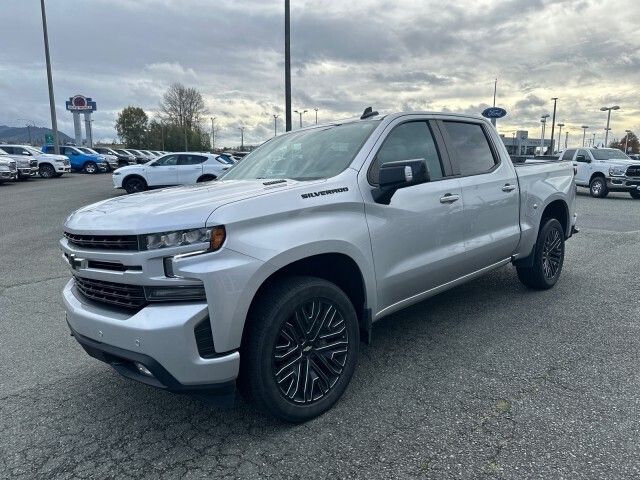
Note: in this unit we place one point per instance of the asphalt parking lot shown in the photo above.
(487, 380)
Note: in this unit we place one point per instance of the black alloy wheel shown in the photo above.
(135, 185)
(300, 348)
(47, 171)
(552, 253)
(311, 351)
(543, 270)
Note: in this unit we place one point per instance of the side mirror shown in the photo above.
(401, 174)
(582, 159)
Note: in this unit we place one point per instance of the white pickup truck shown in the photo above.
(604, 170)
(180, 168)
(272, 275)
(49, 165)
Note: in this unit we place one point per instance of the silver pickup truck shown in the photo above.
(270, 277)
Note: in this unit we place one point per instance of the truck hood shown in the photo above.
(51, 156)
(621, 162)
(166, 210)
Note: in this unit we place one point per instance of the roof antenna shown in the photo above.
(368, 112)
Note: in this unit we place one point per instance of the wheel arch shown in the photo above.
(338, 268)
(134, 175)
(559, 210)
(596, 174)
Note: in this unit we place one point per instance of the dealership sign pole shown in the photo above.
(80, 104)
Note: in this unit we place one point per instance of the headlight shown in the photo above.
(214, 236)
(59, 161)
(617, 171)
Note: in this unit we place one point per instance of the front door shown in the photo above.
(162, 171)
(490, 193)
(417, 240)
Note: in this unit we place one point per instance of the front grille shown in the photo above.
(633, 171)
(204, 339)
(104, 242)
(119, 294)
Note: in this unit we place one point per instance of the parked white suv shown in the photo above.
(604, 170)
(49, 165)
(182, 168)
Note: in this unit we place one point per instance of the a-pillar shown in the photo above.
(77, 128)
(87, 129)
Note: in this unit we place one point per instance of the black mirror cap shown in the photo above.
(399, 174)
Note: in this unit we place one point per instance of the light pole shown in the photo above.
(241, 139)
(52, 102)
(316, 109)
(213, 133)
(275, 125)
(560, 125)
(287, 65)
(543, 120)
(608, 110)
(584, 132)
(626, 141)
(513, 143)
(566, 139)
(553, 121)
(300, 112)
(593, 144)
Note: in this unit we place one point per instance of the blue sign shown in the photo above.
(494, 112)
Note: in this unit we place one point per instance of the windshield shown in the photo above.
(225, 160)
(305, 155)
(32, 150)
(608, 154)
(2, 152)
(85, 150)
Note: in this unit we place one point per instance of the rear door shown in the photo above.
(490, 193)
(583, 166)
(189, 168)
(162, 172)
(417, 240)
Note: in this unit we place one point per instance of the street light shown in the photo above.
(275, 125)
(594, 140)
(626, 141)
(287, 65)
(52, 102)
(560, 125)
(213, 134)
(566, 139)
(584, 132)
(241, 138)
(543, 120)
(553, 121)
(513, 143)
(316, 109)
(300, 113)
(608, 110)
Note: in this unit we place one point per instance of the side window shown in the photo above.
(167, 161)
(9, 150)
(470, 147)
(190, 159)
(408, 141)
(568, 154)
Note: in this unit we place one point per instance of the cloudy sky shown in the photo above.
(394, 55)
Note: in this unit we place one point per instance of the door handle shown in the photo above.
(449, 198)
(508, 188)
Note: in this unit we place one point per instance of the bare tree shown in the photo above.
(183, 106)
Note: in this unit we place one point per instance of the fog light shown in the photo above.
(142, 369)
(177, 293)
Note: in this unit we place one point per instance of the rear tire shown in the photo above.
(90, 167)
(635, 194)
(300, 348)
(598, 187)
(134, 185)
(548, 258)
(47, 171)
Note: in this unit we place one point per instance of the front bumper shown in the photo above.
(623, 184)
(27, 172)
(117, 181)
(162, 335)
(103, 167)
(62, 167)
(4, 175)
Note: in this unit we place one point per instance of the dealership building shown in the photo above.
(521, 144)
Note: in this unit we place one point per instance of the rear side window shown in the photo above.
(408, 141)
(166, 161)
(470, 147)
(568, 154)
(191, 159)
(7, 149)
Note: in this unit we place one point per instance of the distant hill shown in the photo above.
(21, 135)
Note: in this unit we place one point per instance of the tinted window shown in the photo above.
(166, 161)
(190, 159)
(470, 146)
(7, 149)
(408, 141)
(608, 154)
(568, 154)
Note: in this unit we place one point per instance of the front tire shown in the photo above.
(598, 187)
(548, 258)
(47, 171)
(90, 167)
(300, 348)
(134, 185)
(635, 194)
